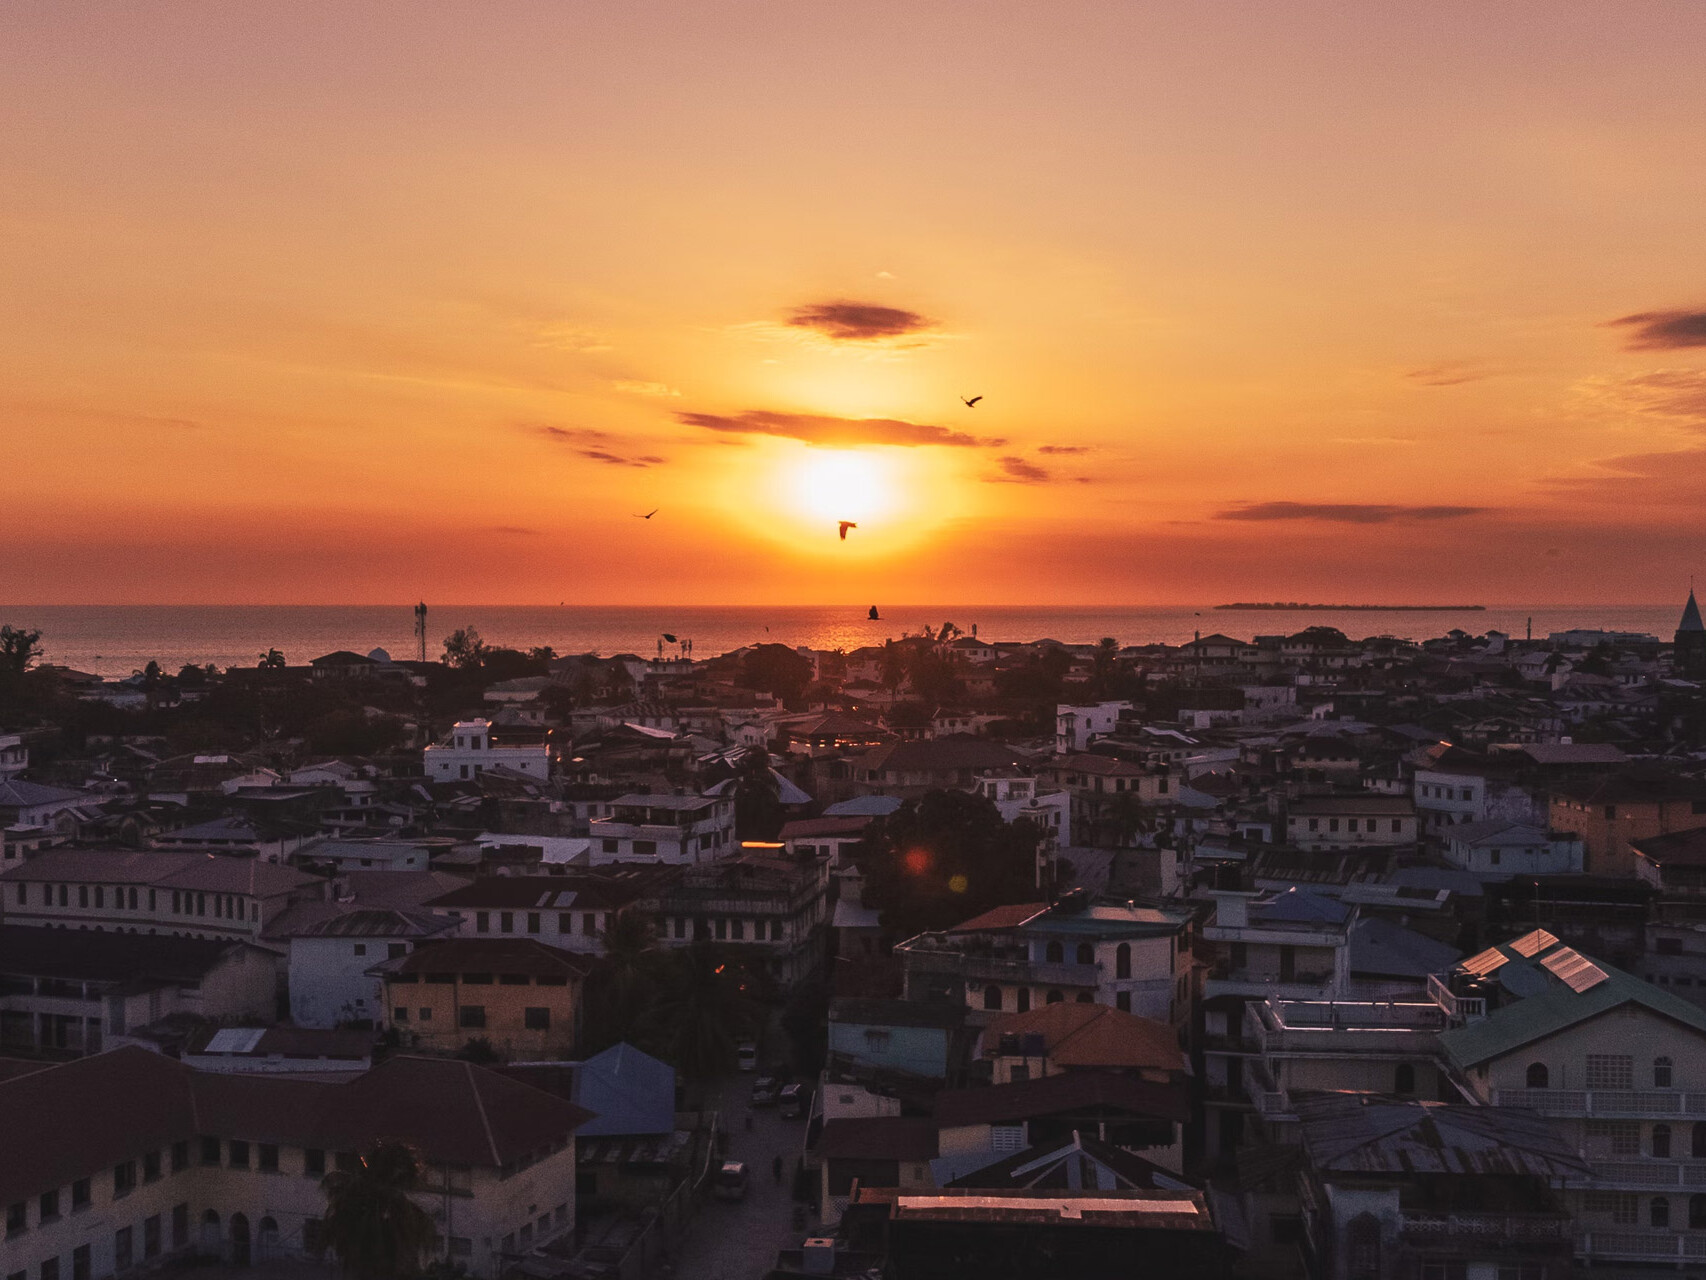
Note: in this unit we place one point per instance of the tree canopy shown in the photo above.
(372, 1224)
(777, 669)
(944, 857)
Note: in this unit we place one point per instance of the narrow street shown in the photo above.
(739, 1240)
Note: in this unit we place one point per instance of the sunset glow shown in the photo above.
(328, 302)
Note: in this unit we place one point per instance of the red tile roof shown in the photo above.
(1092, 1035)
(1008, 917)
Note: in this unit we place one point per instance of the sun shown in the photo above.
(828, 485)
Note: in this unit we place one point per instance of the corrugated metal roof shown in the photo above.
(1363, 1134)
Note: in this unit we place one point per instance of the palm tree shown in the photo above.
(702, 1008)
(758, 797)
(623, 984)
(373, 1226)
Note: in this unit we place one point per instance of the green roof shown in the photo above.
(1553, 1008)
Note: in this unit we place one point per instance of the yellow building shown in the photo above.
(521, 995)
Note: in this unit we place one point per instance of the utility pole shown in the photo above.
(420, 630)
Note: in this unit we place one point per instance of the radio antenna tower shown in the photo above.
(420, 629)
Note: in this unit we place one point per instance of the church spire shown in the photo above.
(1691, 615)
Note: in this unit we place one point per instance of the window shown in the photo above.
(400, 1013)
(124, 1178)
(645, 848)
(1661, 1073)
(1450, 1270)
(49, 1205)
(79, 1194)
(589, 924)
(180, 1225)
(472, 1015)
(1404, 1078)
(506, 922)
(17, 1217)
(313, 1162)
(396, 950)
(482, 922)
(1054, 953)
(1697, 1140)
(151, 1236)
(80, 1263)
(1086, 953)
(1658, 1213)
(1538, 1075)
(1122, 960)
(425, 1014)
(775, 931)
(180, 1156)
(533, 922)
(1613, 1138)
(1697, 1213)
(1661, 1142)
(1024, 1001)
(1610, 1071)
(536, 1019)
(361, 948)
(266, 1157)
(737, 930)
(49, 1269)
(1362, 1253)
(992, 997)
(239, 1154)
(610, 846)
(1122, 1001)
(122, 1248)
(1007, 1137)
(1053, 997)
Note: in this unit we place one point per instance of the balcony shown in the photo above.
(1623, 1104)
(1224, 980)
(1464, 1008)
(1328, 1028)
(1641, 1175)
(1514, 1228)
(1004, 966)
(1641, 1246)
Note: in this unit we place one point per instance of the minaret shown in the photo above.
(1689, 653)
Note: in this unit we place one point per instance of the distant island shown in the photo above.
(1292, 606)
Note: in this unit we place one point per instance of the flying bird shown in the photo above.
(845, 526)
(669, 637)
(648, 514)
(972, 403)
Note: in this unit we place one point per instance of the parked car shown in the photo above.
(765, 1090)
(795, 1099)
(729, 1182)
(746, 1055)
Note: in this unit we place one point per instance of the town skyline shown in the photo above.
(309, 304)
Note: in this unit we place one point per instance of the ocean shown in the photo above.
(115, 640)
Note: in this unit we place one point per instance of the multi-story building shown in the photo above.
(1611, 813)
(522, 996)
(1498, 847)
(1076, 727)
(1618, 1064)
(1356, 821)
(1675, 953)
(331, 960)
(664, 829)
(151, 891)
(574, 911)
(129, 1160)
(469, 750)
(14, 756)
(1131, 956)
(1019, 796)
(772, 908)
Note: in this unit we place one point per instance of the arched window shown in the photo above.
(1661, 1141)
(1659, 1214)
(1697, 1140)
(1024, 1001)
(1086, 953)
(1054, 953)
(1054, 997)
(1084, 997)
(210, 1219)
(1362, 1247)
(1661, 1073)
(1697, 1213)
(1122, 960)
(1538, 1075)
(992, 997)
(1404, 1078)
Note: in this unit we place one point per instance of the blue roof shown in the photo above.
(1389, 950)
(863, 807)
(1301, 905)
(630, 1093)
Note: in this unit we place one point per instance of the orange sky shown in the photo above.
(350, 302)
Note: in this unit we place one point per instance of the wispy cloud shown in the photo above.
(519, 530)
(818, 429)
(846, 321)
(1015, 470)
(646, 388)
(1344, 512)
(1369, 441)
(570, 338)
(1663, 330)
(1448, 373)
(1063, 448)
(1665, 393)
(590, 444)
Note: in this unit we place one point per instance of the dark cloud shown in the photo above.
(1063, 448)
(847, 321)
(1663, 330)
(1015, 470)
(1344, 512)
(617, 460)
(588, 443)
(517, 529)
(567, 435)
(816, 429)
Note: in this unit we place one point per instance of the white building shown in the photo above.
(1500, 848)
(1075, 727)
(330, 960)
(664, 829)
(468, 751)
(1017, 797)
(14, 756)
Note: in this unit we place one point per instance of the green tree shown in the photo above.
(543, 654)
(943, 858)
(373, 1225)
(19, 648)
(463, 649)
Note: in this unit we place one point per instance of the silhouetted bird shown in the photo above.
(972, 403)
(648, 514)
(669, 637)
(873, 614)
(845, 526)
